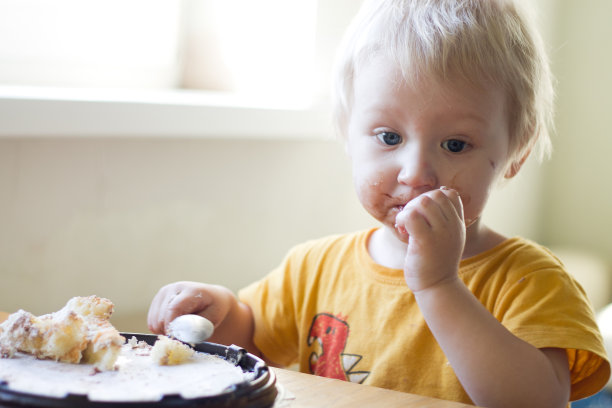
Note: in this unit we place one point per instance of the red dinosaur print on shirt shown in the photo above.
(331, 333)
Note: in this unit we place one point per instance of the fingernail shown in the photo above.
(444, 188)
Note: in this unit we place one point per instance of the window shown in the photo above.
(265, 54)
(264, 48)
(112, 43)
(246, 47)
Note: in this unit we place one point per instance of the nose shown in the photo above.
(417, 169)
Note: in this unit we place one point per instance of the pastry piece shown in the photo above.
(60, 336)
(167, 351)
(91, 307)
(103, 340)
(79, 332)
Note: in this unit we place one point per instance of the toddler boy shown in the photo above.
(436, 101)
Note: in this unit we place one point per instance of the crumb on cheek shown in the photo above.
(376, 183)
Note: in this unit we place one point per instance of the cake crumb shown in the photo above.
(167, 351)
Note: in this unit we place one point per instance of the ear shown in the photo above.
(516, 165)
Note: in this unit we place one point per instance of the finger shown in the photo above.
(412, 220)
(174, 307)
(154, 316)
(439, 207)
(455, 199)
(413, 217)
(418, 225)
(152, 321)
(188, 300)
(435, 208)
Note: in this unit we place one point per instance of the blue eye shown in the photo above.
(389, 138)
(454, 145)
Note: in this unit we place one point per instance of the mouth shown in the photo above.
(396, 210)
(312, 339)
(400, 201)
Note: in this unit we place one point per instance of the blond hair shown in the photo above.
(481, 41)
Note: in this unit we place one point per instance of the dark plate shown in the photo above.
(257, 393)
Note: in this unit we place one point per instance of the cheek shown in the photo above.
(474, 187)
(369, 183)
(368, 186)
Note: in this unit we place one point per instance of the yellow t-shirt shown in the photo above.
(333, 310)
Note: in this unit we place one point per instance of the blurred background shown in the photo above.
(148, 141)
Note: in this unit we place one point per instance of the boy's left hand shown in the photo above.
(435, 228)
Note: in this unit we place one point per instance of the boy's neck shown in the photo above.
(480, 238)
(387, 250)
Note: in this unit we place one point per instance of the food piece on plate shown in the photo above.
(134, 343)
(167, 351)
(58, 336)
(79, 332)
(91, 307)
(104, 341)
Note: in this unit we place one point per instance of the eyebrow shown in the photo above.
(475, 117)
(471, 116)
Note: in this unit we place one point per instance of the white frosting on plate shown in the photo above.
(137, 378)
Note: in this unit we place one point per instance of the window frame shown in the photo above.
(41, 112)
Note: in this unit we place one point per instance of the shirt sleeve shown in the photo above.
(548, 308)
(271, 301)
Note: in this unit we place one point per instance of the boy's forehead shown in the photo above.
(387, 70)
(382, 92)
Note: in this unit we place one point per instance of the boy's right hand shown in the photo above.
(435, 230)
(210, 301)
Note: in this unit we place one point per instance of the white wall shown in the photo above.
(121, 218)
(578, 193)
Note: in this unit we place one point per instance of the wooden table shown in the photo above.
(301, 390)
(305, 390)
